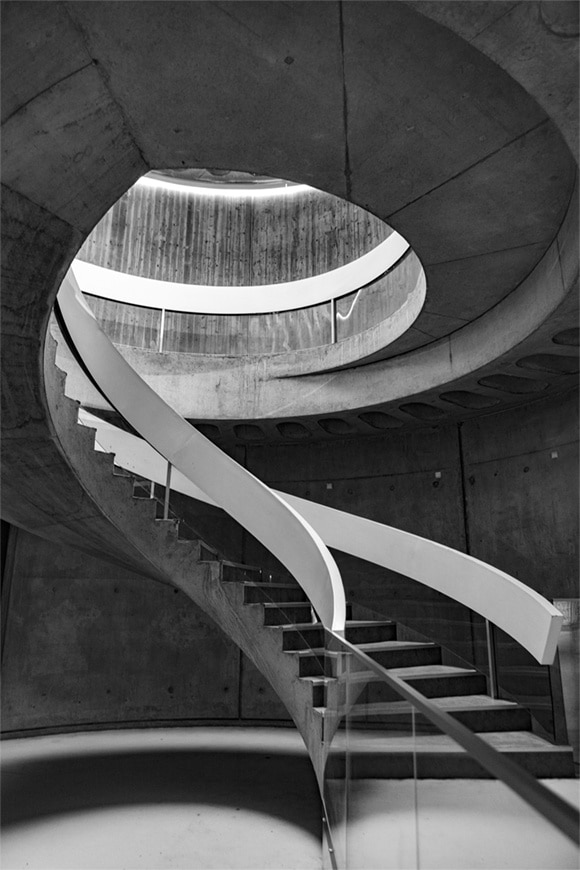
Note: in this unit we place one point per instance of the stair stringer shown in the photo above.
(178, 563)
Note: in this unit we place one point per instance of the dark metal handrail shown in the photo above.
(551, 806)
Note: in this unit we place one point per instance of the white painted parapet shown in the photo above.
(261, 511)
(511, 605)
(254, 299)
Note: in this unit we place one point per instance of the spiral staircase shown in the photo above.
(276, 626)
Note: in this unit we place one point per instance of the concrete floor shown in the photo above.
(233, 798)
(191, 799)
(449, 825)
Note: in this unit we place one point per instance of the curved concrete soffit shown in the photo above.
(263, 513)
(518, 610)
(256, 299)
(479, 343)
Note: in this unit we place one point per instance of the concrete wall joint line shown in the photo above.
(511, 456)
(42, 208)
(466, 169)
(104, 76)
(47, 90)
(347, 167)
(493, 23)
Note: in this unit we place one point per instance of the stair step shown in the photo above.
(479, 713)
(319, 686)
(433, 681)
(272, 592)
(437, 681)
(390, 654)
(236, 572)
(291, 613)
(356, 631)
(286, 613)
(436, 756)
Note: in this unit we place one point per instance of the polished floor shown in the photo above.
(189, 799)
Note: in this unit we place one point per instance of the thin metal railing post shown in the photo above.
(333, 321)
(161, 330)
(490, 659)
(167, 492)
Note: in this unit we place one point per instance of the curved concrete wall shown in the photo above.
(502, 487)
(365, 320)
(174, 235)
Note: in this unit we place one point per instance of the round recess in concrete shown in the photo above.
(379, 420)
(248, 432)
(422, 411)
(335, 426)
(465, 399)
(513, 384)
(294, 430)
(208, 429)
(550, 362)
(569, 337)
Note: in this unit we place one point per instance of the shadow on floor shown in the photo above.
(278, 784)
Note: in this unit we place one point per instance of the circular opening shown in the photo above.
(183, 253)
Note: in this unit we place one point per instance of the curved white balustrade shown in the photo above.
(263, 513)
(256, 299)
(515, 608)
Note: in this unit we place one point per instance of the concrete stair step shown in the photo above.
(479, 713)
(372, 755)
(286, 613)
(272, 592)
(319, 689)
(357, 631)
(236, 572)
(291, 614)
(319, 661)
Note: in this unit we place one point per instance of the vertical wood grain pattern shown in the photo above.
(193, 239)
(132, 325)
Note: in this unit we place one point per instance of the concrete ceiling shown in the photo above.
(451, 121)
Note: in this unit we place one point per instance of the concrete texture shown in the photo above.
(80, 80)
(467, 825)
(393, 480)
(189, 799)
(91, 644)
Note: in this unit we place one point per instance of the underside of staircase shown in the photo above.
(274, 625)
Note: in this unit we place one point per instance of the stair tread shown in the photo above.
(501, 741)
(458, 703)
(262, 585)
(319, 680)
(279, 604)
(370, 647)
(394, 644)
(468, 702)
(350, 623)
(414, 671)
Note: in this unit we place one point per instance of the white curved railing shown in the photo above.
(262, 512)
(515, 608)
(254, 299)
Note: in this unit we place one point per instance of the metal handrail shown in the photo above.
(551, 806)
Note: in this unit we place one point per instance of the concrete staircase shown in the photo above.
(273, 625)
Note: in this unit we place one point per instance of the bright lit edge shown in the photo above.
(232, 191)
(257, 299)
